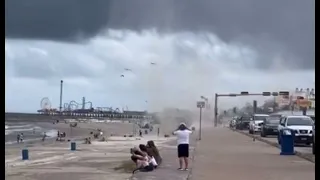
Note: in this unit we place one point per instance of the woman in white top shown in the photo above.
(182, 134)
(143, 161)
(139, 157)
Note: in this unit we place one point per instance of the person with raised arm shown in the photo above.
(183, 133)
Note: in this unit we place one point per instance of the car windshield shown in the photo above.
(272, 121)
(261, 118)
(245, 118)
(313, 118)
(299, 121)
(276, 115)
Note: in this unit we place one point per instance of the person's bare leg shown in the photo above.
(186, 162)
(181, 162)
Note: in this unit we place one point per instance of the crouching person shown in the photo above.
(142, 160)
(151, 157)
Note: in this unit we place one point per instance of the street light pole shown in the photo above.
(200, 105)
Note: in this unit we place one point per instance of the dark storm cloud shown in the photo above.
(285, 24)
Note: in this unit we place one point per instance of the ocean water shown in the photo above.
(31, 131)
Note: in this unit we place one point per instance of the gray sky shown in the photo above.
(90, 42)
(288, 24)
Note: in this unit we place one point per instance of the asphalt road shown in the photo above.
(301, 148)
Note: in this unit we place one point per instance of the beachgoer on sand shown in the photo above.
(88, 140)
(44, 136)
(21, 137)
(18, 138)
(183, 134)
(58, 136)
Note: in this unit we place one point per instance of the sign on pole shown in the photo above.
(200, 104)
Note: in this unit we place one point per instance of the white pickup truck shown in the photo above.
(314, 140)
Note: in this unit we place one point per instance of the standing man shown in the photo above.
(183, 134)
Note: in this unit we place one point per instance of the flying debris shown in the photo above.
(153, 63)
(122, 75)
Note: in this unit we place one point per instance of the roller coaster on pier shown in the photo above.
(73, 109)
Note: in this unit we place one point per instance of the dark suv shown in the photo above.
(243, 122)
(270, 126)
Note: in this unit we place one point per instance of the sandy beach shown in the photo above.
(82, 130)
(54, 160)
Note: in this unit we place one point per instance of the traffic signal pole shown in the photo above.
(215, 110)
(241, 94)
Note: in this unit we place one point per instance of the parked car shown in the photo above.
(256, 121)
(314, 138)
(232, 123)
(243, 122)
(302, 126)
(270, 126)
(312, 117)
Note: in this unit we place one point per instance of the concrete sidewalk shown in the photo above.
(228, 155)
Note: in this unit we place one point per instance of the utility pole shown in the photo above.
(274, 104)
(254, 106)
(61, 91)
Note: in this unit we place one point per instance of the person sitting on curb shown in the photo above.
(141, 159)
(153, 152)
(151, 157)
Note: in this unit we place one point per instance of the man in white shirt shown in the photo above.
(183, 134)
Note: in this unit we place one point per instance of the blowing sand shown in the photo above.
(55, 160)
